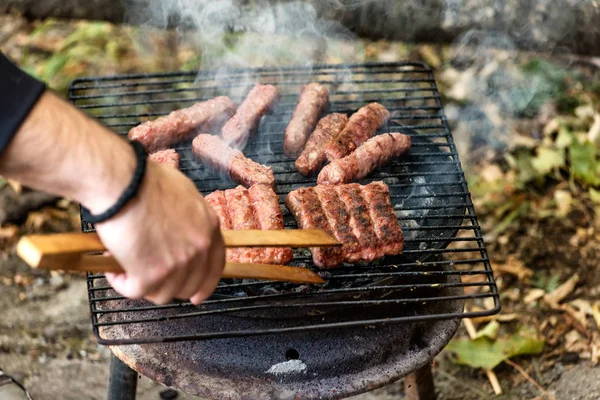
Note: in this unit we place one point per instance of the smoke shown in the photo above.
(486, 78)
(231, 36)
(276, 34)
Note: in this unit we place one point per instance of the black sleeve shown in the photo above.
(19, 92)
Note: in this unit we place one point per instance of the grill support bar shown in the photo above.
(122, 381)
(419, 385)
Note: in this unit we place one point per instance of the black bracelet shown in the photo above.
(130, 191)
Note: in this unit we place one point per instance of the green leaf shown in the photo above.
(564, 138)
(485, 353)
(490, 331)
(523, 160)
(54, 65)
(584, 165)
(548, 159)
(595, 195)
(553, 283)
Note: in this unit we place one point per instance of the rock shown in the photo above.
(58, 282)
(168, 394)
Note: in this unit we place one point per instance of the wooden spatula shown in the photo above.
(66, 251)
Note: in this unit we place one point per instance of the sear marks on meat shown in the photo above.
(167, 157)
(254, 208)
(244, 122)
(182, 125)
(312, 102)
(216, 154)
(377, 195)
(361, 126)
(339, 221)
(304, 204)
(360, 220)
(268, 213)
(243, 218)
(360, 217)
(218, 202)
(372, 154)
(313, 157)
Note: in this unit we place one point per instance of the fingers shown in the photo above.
(198, 270)
(216, 263)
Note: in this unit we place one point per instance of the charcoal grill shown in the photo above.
(345, 330)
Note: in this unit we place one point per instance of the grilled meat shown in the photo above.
(377, 195)
(268, 213)
(339, 221)
(168, 157)
(216, 154)
(313, 157)
(372, 154)
(254, 208)
(244, 122)
(181, 125)
(360, 220)
(360, 217)
(242, 218)
(312, 102)
(304, 204)
(361, 126)
(218, 202)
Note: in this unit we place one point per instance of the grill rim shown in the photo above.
(444, 133)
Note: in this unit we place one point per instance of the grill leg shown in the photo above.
(122, 383)
(419, 384)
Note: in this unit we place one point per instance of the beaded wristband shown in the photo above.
(130, 191)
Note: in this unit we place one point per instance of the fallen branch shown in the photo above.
(490, 374)
(529, 378)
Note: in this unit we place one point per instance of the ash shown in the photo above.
(288, 367)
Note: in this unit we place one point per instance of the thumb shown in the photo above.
(125, 285)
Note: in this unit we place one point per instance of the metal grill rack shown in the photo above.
(444, 259)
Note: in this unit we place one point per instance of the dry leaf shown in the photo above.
(533, 295)
(582, 305)
(514, 267)
(16, 186)
(585, 111)
(560, 293)
(36, 219)
(491, 173)
(23, 280)
(564, 202)
(596, 313)
(523, 141)
(551, 127)
(572, 337)
(579, 318)
(595, 347)
(488, 303)
(594, 132)
(513, 294)
(499, 318)
(9, 232)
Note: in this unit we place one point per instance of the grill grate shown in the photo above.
(444, 258)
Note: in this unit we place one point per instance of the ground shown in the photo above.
(525, 127)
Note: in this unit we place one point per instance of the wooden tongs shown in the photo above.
(67, 252)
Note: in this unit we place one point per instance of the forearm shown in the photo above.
(60, 150)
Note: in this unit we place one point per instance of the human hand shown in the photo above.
(168, 240)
